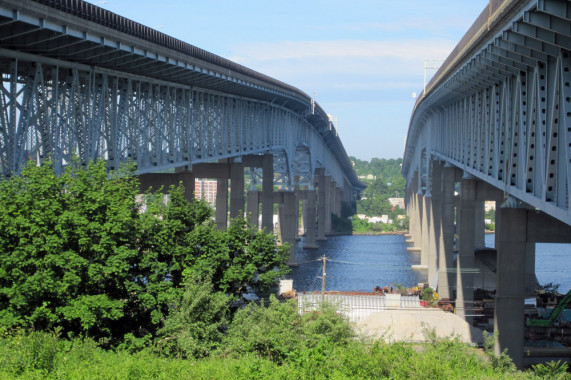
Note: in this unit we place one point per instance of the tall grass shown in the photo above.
(37, 355)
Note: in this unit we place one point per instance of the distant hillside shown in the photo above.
(380, 167)
(384, 180)
(383, 176)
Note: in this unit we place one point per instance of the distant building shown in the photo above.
(368, 177)
(397, 202)
(205, 189)
(375, 219)
(489, 205)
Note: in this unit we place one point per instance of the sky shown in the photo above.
(362, 59)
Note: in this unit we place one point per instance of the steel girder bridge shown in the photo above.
(494, 124)
(78, 80)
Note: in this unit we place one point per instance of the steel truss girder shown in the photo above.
(108, 43)
(48, 110)
(504, 113)
(515, 135)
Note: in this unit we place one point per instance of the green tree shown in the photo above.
(79, 251)
(195, 324)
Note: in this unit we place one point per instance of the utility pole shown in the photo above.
(324, 259)
(430, 64)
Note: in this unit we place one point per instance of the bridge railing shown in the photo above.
(112, 20)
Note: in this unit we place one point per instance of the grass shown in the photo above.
(37, 355)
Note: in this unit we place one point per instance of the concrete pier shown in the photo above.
(510, 288)
(465, 260)
(321, 207)
(268, 193)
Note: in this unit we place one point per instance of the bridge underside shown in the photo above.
(494, 124)
(81, 83)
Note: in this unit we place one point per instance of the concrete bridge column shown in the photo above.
(338, 197)
(303, 219)
(296, 207)
(531, 282)
(446, 246)
(268, 193)
(309, 221)
(436, 223)
(156, 181)
(253, 207)
(287, 221)
(425, 228)
(320, 176)
(328, 203)
(415, 216)
(479, 224)
(510, 287)
(221, 214)
(187, 178)
(236, 190)
(465, 260)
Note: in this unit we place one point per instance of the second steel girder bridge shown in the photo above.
(494, 124)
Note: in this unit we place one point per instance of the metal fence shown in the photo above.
(355, 307)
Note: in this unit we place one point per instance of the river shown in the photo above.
(359, 263)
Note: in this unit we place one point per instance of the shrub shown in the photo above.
(551, 370)
(195, 324)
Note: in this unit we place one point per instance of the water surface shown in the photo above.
(359, 263)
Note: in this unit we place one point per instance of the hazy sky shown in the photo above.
(363, 58)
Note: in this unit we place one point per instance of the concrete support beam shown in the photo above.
(267, 193)
(487, 192)
(287, 222)
(296, 207)
(217, 170)
(321, 191)
(162, 181)
(446, 252)
(415, 216)
(328, 204)
(543, 228)
(465, 260)
(337, 209)
(510, 288)
(479, 224)
(221, 214)
(253, 207)
(425, 203)
(303, 221)
(531, 283)
(309, 222)
(435, 215)
(237, 190)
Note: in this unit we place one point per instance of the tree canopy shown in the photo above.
(85, 252)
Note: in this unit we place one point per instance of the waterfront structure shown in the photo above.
(494, 124)
(78, 80)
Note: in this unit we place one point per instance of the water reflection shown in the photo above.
(359, 263)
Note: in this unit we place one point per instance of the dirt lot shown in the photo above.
(411, 325)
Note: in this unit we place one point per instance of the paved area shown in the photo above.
(411, 326)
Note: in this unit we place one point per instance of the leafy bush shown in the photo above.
(277, 330)
(24, 351)
(52, 358)
(551, 370)
(194, 327)
(500, 362)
